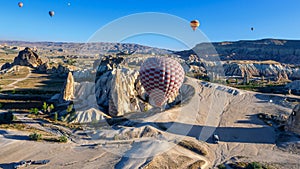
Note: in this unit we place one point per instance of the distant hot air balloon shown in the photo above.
(252, 29)
(51, 13)
(195, 24)
(20, 4)
(161, 78)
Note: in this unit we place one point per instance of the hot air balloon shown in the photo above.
(51, 13)
(252, 29)
(195, 24)
(20, 4)
(161, 78)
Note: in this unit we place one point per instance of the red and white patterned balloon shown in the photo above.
(161, 77)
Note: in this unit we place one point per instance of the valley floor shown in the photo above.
(151, 140)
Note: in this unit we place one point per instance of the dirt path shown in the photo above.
(12, 85)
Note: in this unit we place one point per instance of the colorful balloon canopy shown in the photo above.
(195, 24)
(51, 13)
(20, 4)
(161, 77)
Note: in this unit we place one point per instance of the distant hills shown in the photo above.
(88, 48)
(283, 51)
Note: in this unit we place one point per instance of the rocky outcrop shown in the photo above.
(43, 68)
(60, 70)
(257, 69)
(6, 66)
(118, 89)
(68, 89)
(27, 57)
(84, 75)
(293, 122)
(266, 69)
(124, 93)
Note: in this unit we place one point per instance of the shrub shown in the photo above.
(221, 166)
(70, 108)
(254, 165)
(35, 136)
(63, 139)
(55, 116)
(34, 111)
(45, 106)
(146, 107)
(51, 107)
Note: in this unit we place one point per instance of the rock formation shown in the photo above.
(293, 122)
(118, 89)
(43, 68)
(68, 89)
(6, 66)
(27, 57)
(256, 69)
(124, 95)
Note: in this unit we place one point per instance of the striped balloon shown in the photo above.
(161, 77)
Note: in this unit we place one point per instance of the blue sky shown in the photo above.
(221, 20)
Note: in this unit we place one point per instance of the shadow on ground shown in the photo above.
(258, 135)
(8, 165)
(7, 135)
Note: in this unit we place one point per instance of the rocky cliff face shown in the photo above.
(259, 69)
(267, 69)
(283, 51)
(118, 89)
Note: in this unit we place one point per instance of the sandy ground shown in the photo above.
(213, 109)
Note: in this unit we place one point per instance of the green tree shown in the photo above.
(45, 106)
(254, 165)
(70, 108)
(34, 111)
(63, 139)
(50, 108)
(221, 166)
(35, 136)
(55, 116)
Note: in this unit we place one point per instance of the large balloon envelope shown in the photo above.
(161, 77)
(51, 13)
(20, 4)
(195, 24)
